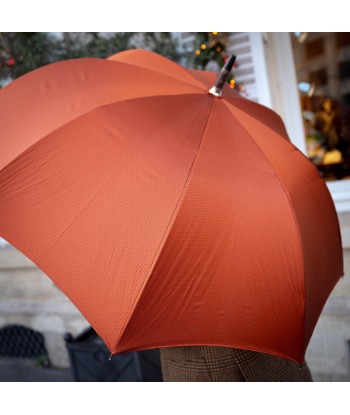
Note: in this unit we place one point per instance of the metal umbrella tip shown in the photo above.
(216, 89)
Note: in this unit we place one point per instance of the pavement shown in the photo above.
(26, 370)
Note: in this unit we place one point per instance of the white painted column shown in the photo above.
(283, 85)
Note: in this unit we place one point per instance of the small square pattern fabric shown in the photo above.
(223, 364)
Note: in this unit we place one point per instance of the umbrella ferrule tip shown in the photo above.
(217, 92)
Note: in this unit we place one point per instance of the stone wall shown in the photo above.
(29, 298)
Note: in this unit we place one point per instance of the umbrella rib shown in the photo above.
(190, 73)
(22, 153)
(290, 204)
(167, 231)
(256, 119)
(167, 75)
(131, 155)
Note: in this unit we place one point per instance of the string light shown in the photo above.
(203, 46)
(198, 52)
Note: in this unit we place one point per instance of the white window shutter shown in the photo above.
(251, 65)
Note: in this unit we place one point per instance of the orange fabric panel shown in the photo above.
(154, 62)
(206, 77)
(40, 102)
(91, 203)
(258, 112)
(225, 276)
(315, 216)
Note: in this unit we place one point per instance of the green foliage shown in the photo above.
(93, 44)
(209, 46)
(23, 52)
(162, 43)
(42, 361)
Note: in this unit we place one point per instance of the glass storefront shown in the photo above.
(322, 62)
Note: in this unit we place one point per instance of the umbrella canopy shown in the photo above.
(167, 215)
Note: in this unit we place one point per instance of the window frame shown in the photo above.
(284, 99)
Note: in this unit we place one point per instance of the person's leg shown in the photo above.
(261, 367)
(199, 364)
(222, 364)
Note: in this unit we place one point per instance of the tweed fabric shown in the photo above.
(223, 364)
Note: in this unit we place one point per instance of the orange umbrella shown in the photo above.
(168, 216)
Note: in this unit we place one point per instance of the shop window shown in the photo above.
(324, 90)
(314, 48)
(346, 99)
(342, 39)
(319, 77)
(344, 70)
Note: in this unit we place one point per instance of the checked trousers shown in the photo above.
(223, 364)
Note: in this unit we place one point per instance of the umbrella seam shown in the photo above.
(26, 76)
(206, 86)
(5, 167)
(294, 219)
(256, 119)
(167, 231)
(159, 72)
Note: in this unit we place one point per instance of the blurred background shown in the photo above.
(303, 76)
